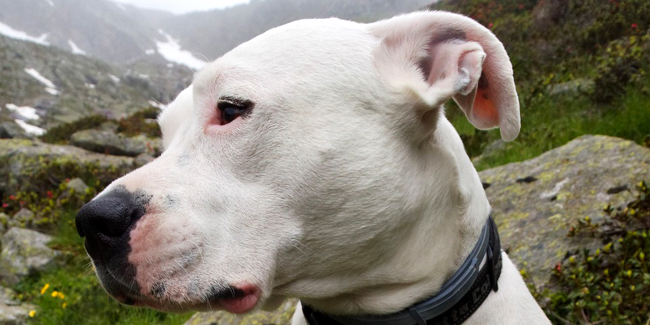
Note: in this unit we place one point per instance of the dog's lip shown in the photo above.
(242, 303)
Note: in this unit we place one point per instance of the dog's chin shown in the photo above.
(234, 299)
(239, 305)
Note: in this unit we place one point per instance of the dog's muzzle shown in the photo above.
(106, 223)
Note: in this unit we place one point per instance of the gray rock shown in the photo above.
(11, 311)
(154, 146)
(109, 126)
(24, 252)
(7, 297)
(143, 159)
(20, 160)
(22, 218)
(571, 87)
(108, 142)
(281, 316)
(11, 130)
(77, 185)
(536, 201)
(13, 315)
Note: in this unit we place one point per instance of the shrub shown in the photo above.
(609, 285)
(61, 134)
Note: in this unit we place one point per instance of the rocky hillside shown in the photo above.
(44, 86)
(124, 34)
(100, 28)
(240, 23)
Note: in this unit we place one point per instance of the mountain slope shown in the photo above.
(103, 29)
(121, 33)
(45, 86)
(214, 33)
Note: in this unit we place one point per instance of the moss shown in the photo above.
(61, 134)
(141, 123)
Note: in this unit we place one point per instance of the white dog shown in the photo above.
(315, 161)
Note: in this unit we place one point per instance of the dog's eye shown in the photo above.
(230, 111)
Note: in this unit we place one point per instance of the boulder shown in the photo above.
(24, 252)
(11, 130)
(109, 126)
(11, 310)
(108, 142)
(571, 87)
(77, 185)
(22, 218)
(21, 161)
(535, 202)
(13, 315)
(281, 316)
(143, 159)
(154, 145)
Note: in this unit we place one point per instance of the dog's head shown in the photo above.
(294, 161)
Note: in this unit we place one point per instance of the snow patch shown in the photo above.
(89, 86)
(157, 104)
(50, 88)
(76, 49)
(114, 78)
(39, 77)
(172, 52)
(20, 35)
(150, 52)
(52, 91)
(24, 111)
(31, 129)
(50, 2)
(119, 5)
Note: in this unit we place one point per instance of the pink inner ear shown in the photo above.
(484, 108)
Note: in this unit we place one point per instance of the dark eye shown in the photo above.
(230, 111)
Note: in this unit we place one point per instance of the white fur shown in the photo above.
(346, 186)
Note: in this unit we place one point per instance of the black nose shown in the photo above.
(106, 220)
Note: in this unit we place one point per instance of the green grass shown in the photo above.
(549, 122)
(75, 285)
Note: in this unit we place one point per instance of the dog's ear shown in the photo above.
(441, 55)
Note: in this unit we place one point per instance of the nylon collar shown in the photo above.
(456, 301)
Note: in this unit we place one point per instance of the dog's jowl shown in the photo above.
(315, 161)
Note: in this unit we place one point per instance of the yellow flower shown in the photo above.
(55, 293)
(47, 285)
(61, 295)
(32, 313)
(607, 247)
(65, 304)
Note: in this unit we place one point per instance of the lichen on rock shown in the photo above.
(280, 316)
(24, 252)
(570, 182)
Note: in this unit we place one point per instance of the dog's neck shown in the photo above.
(431, 249)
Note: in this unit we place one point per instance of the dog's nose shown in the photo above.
(106, 220)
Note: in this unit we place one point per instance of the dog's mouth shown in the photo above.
(236, 299)
(232, 300)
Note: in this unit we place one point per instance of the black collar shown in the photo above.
(456, 301)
